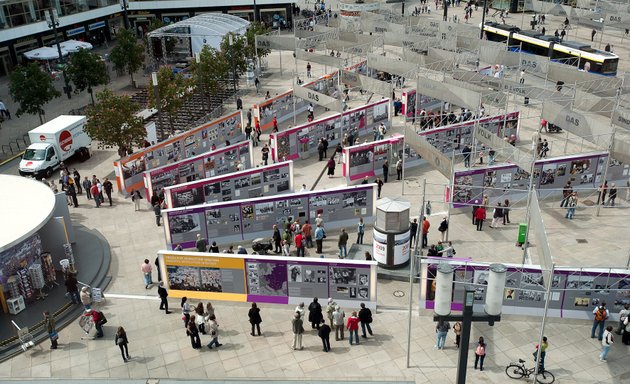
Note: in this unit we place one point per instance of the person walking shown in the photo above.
(342, 243)
(497, 214)
(603, 189)
(457, 329)
(72, 288)
(331, 167)
(330, 309)
(277, 239)
(612, 195)
(320, 235)
(480, 216)
(136, 197)
(607, 342)
(298, 330)
(87, 186)
(86, 298)
(338, 317)
(385, 171)
(193, 332)
(95, 195)
(543, 353)
(425, 231)
(49, 322)
(324, 334)
(213, 327)
(623, 315)
(506, 212)
(413, 229)
(379, 186)
(185, 311)
(441, 330)
(163, 293)
(254, 319)
(599, 320)
(399, 169)
(265, 154)
(625, 338)
(108, 187)
(567, 190)
(466, 152)
(121, 341)
(360, 231)
(593, 33)
(365, 317)
(299, 244)
(157, 211)
(352, 326)
(443, 228)
(315, 316)
(573, 201)
(307, 231)
(308, 69)
(480, 353)
(147, 270)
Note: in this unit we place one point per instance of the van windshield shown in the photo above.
(34, 154)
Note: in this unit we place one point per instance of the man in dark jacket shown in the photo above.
(365, 317)
(107, 186)
(72, 288)
(277, 239)
(385, 171)
(163, 293)
(324, 334)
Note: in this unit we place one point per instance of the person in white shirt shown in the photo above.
(607, 342)
(303, 189)
(623, 314)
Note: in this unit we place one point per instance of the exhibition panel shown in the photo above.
(507, 181)
(266, 180)
(208, 164)
(268, 279)
(249, 219)
(217, 133)
(574, 291)
(302, 140)
(424, 103)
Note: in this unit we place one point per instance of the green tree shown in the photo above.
(128, 55)
(235, 52)
(87, 70)
(209, 71)
(251, 53)
(113, 122)
(32, 88)
(173, 91)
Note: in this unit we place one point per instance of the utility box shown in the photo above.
(522, 233)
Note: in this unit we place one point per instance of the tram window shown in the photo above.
(610, 66)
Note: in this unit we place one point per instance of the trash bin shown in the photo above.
(522, 232)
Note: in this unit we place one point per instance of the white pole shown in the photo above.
(544, 320)
(411, 268)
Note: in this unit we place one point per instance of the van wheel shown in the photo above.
(49, 172)
(84, 154)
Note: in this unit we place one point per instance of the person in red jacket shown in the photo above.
(299, 244)
(480, 216)
(99, 319)
(425, 232)
(353, 327)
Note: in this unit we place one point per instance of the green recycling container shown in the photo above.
(522, 232)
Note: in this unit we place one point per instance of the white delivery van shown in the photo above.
(54, 142)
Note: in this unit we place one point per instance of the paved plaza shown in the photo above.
(159, 347)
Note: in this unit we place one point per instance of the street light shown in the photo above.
(53, 22)
(125, 6)
(230, 42)
(156, 91)
(492, 309)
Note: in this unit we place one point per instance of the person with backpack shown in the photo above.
(443, 228)
(441, 329)
(599, 320)
(607, 342)
(480, 353)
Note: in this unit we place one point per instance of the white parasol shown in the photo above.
(44, 53)
(74, 45)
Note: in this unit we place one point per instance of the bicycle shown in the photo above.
(518, 371)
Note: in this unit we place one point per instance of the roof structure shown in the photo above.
(213, 24)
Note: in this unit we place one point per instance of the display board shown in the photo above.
(268, 279)
(274, 179)
(213, 163)
(129, 170)
(366, 160)
(249, 219)
(585, 171)
(424, 103)
(574, 291)
(294, 142)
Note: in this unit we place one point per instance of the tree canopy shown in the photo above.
(212, 67)
(251, 53)
(128, 55)
(31, 88)
(113, 122)
(87, 70)
(235, 53)
(173, 90)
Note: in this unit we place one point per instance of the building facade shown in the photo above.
(23, 24)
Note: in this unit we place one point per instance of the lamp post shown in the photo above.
(125, 6)
(231, 42)
(154, 81)
(53, 22)
(255, 12)
(483, 19)
(492, 309)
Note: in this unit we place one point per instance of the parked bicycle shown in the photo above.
(518, 371)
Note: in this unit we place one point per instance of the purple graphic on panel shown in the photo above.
(266, 277)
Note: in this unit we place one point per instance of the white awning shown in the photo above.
(72, 46)
(44, 53)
